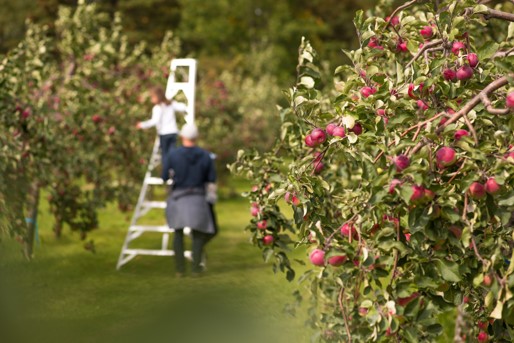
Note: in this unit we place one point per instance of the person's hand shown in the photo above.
(138, 125)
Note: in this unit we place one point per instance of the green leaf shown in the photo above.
(487, 50)
(449, 270)
(418, 219)
(508, 200)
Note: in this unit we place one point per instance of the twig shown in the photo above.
(503, 53)
(498, 83)
(400, 8)
(471, 128)
(427, 51)
(422, 50)
(475, 249)
(454, 175)
(465, 207)
(340, 299)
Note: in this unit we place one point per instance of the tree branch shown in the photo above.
(492, 13)
(485, 100)
(422, 50)
(498, 83)
(503, 53)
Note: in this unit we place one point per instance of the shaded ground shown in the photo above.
(68, 294)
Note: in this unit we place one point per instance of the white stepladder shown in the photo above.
(186, 84)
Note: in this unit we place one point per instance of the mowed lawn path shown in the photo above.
(68, 294)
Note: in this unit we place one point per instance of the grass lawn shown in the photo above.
(68, 294)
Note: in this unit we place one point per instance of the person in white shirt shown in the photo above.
(164, 119)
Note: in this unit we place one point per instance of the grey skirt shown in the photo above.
(188, 208)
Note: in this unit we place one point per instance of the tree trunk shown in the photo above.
(58, 226)
(33, 206)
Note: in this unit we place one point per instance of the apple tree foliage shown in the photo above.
(406, 210)
(69, 103)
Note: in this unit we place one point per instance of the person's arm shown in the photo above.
(179, 106)
(156, 116)
(210, 186)
(211, 171)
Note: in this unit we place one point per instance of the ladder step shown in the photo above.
(155, 252)
(152, 252)
(151, 228)
(153, 180)
(154, 204)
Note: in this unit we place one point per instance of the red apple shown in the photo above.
(318, 167)
(337, 260)
(491, 186)
(357, 129)
(267, 240)
(509, 100)
(339, 132)
(422, 105)
(330, 128)
(368, 91)
(401, 162)
(426, 32)
(309, 141)
(472, 59)
(401, 46)
(460, 133)
(375, 44)
(465, 73)
(482, 337)
(317, 257)
(381, 112)
(393, 184)
(449, 75)
(318, 136)
(483, 325)
(347, 230)
(407, 237)
(96, 118)
(262, 225)
(476, 190)
(445, 157)
(457, 47)
(394, 21)
(418, 194)
(254, 211)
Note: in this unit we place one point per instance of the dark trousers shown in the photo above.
(167, 142)
(199, 241)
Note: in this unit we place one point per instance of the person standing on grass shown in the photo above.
(190, 200)
(164, 119)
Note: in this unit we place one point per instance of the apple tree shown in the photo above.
(70, 101)
(400, 176)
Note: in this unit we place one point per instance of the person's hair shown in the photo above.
(159, 93)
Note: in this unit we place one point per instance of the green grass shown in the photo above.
(68, 294)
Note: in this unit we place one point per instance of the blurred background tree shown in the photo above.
(245, 50)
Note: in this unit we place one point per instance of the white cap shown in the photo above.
(189, 131)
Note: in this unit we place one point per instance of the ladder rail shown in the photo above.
(144, 205)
